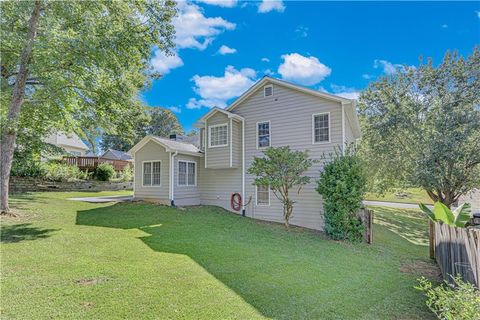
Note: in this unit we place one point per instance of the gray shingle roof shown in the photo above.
(177, 145)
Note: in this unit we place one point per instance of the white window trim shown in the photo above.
(186, 174)
(151, 174)
(210, 135)
(329, 128)
(256, 198)
(269, 134)
(267, 86)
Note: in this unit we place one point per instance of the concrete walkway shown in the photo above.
(104, 199)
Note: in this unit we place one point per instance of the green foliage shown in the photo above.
(125, 175)
(56, 171)
(88, 63)
(460, 301)
(441, 213)
(104, 172)
(282, 169)
(342, 185)
(421, 127)
(149, 120)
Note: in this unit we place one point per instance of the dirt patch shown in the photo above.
(91, 281)
(421, 268)
(88, 304)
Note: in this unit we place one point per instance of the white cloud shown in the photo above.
(216, 91)
(269, 72)
(226, 50)
(444, 26)
(478, 14)
(386, 66)
(220, 3)
(367, 76)
(265, 60)
(302, 31)
(162, 63)
(345, 92)
(271, 5)
(304, 70)
(175, 109)
(194, 30)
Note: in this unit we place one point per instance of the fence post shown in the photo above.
(431, 238)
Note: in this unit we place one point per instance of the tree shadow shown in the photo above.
(282, 274)
(22, 232)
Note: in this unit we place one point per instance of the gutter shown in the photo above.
(243, 167)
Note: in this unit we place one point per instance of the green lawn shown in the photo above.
(71, 260)
(412, 195)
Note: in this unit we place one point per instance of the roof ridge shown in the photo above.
(162, 138)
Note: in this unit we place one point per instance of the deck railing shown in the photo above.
(91, 163)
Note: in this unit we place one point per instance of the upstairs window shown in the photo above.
(263, 134)
(321, 128)
(187, 173)
(263, 195)
(268, 91)
(218, 135)
(152, 173)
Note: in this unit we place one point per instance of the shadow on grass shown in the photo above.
(22, 232)
(283, 274)
(409, 224)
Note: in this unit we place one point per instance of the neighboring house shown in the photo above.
(71, 143)
(112, 154)
(472, 197)
(271, 113)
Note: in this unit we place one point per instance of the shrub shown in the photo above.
(460, 301)
(125, 175)
(104, 172)
(342, 185)
(56, 171)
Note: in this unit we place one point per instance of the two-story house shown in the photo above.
(271, 113)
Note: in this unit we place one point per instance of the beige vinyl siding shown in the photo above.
(152, 151)
(186, 195)
(217, 185)
(290, 115)
(218, 157)
(237, 144)
(349, 137)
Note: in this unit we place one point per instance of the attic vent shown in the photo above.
(268, 91)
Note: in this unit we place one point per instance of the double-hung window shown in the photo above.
(218, 135)
(263, 134)
(187, 173)
(263, 195)
(321, 128)
(151, 173)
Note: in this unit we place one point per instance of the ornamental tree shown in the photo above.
(66, 65)
(283, 170)
(421, 127)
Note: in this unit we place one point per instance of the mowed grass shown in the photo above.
(64, 259)
(410, 195)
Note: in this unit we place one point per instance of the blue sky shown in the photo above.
(223, 47)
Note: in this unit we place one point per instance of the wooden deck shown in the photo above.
(91, 163)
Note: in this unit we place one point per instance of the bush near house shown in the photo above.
(460, 301)
(104, 172)
(342, 185)
(57, 171)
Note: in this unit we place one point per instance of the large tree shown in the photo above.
(421, 126)
(67, 64)
(150, 120)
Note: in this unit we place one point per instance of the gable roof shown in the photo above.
(267, 79)
(66, 140)
(119, 155)
(169, 145)
(214, 110)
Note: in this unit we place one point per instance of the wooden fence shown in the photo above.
(91, 163)
(366, 215)
(457, 251)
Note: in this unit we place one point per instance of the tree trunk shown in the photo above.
(9, 134)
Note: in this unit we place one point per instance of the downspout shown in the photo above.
(172, 178)
(243, 167)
